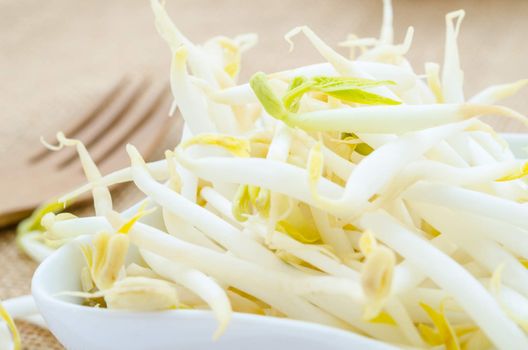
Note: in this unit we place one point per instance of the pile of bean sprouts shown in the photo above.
(354, 193)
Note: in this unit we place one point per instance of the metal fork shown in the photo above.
(133, 111)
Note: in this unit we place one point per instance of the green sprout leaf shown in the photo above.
(361, 148)
(361, 97)
(271, 103)
(329, 84)
(242, 203)
(343, 88)
(32, 223)
(298, 87)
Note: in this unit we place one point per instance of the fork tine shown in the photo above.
(145, 110)
(83, 121)
(155, 130)
(99, 127)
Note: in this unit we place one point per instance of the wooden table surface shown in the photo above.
(57, 57)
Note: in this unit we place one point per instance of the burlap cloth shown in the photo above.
(57, 57)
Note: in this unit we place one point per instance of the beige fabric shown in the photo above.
(15, 281)
(58, 56)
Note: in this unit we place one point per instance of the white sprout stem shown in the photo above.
(398, 209)
(34, 247)
(267, 285)
(431, 296)
(494, 145)
(197, 282)
(20, 307)
(397, 310)
(444, 173)
(189, 183)
(144, 203)
(279, 150)
(308, 71)
(386, 32)
(452, 75)
(178, 227)
(273, 175)
(512, 302)
(469, 201)
(6, 341)
(288, 179)
(443, 152)
(341, 64)
(157, 169)
(166, 28)
(376, 171)
(284, 242)
(333, 236)
(190, 189)
(427, 96)
(393, 119)
(496, 93)
(390, 51)
(408, 276)
(478, 154)
(436, 171)
(236, 95)
(210, 224)
(486, 252)
(434, 86)
(69, 229)
(23, 308)
(101, 195)
(415, 95)
(220, 204)
(189, 180)
(377, 140)
(404, 79)
(280, 145)
(279, 240)
(334, 162)
(352, 314)
(64, 230)
(191, 103)
(199, 62)
(308, 253)
(510, 189)
(448, 275)
(460, 143)
(223, 117)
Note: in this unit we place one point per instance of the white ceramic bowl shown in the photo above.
(83, 328)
